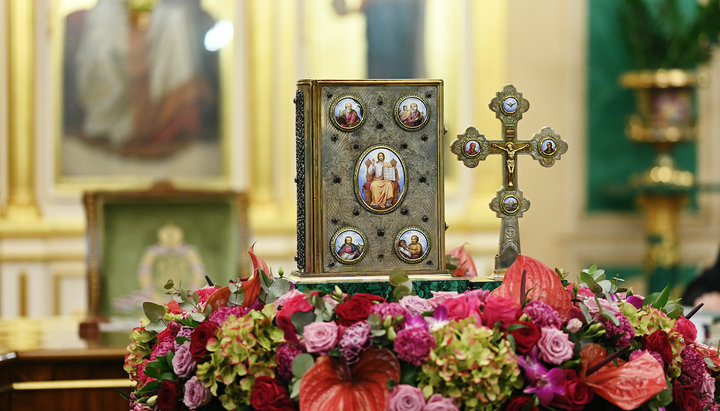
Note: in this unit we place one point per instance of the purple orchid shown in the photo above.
(439, 318)
(636, 301)
(416, 321)
(543, 383)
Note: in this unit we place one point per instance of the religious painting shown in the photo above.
(347, 113)
(380, 179)
(411, 113)
(548, 147)
(412, 245)
(510, 204)
(140, 91)
(472, 148)
(185, 235)
(348, 245)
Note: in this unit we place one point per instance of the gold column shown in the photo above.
(21, 130)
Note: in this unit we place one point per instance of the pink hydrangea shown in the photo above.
(543, 315)
(222, 314)
(415, 305)
(554, 346)
(393, 310)
(285, 356)
(414, 344)
(355, 341)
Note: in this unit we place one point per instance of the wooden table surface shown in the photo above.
(45, 366)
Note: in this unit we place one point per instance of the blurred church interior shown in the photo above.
(221, 117)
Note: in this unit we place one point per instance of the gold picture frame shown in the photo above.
(336, 180)
(215, 228)
(188, 129)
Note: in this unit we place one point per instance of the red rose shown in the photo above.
(519, 403)
(269, 394)
(502, 309)
(525, 337)
(170, 332)
(686, 328)
(659, 343)
(356, 308)
(299, 303)
(684, 396)
(371, 297)
(199, 338)
(577, 393)
(168, 395)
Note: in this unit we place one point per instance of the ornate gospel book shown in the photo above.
(369, 179)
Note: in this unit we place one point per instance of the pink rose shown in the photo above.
(439, 297)
(502, 310)
(439, 403)
(320, 337)
(415, 305)
(574, 325)
(461, 307)
(554, 345)
(405, 398)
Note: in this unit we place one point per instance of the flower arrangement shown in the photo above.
(534, 342)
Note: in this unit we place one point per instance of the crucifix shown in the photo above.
(509, 204)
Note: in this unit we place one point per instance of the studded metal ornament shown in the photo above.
(472, 147)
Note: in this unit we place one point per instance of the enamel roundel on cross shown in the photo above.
(547, 146)
(471, 147)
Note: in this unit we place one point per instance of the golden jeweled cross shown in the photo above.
(509, 204)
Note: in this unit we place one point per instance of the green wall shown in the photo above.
(612, 158)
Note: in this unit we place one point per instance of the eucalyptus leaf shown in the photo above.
(397, 277)
(585, 312)
(156, 326)
(301, 364)
(187, 305)
(153, 312)
(295, 388)
(610, 316)
(301, 319)
(197, 317)
(169, 284)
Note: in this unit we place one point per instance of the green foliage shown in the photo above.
(669, 33)
(402, 286)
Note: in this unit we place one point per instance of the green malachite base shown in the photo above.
(384, 289)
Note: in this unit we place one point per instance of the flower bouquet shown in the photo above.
(534, 342)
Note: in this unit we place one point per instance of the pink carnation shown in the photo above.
(285, 356)
(543, 315)
(161, 349)
(355, 341)
(185, 331)
(320, 337)
(405, 398)
(222, 314)
(656, 356)
(439, 403)
(624, 330)
(415, 305)
(555, 346)
(414, 344)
